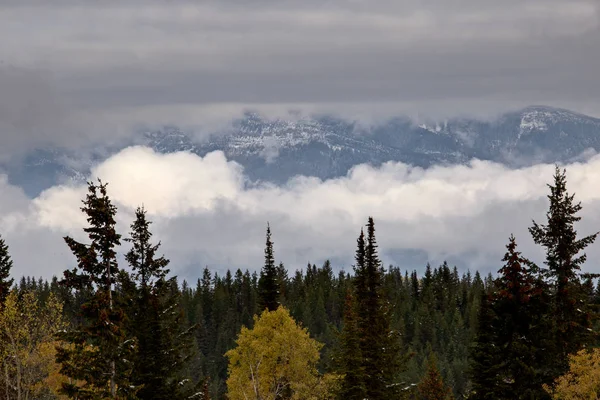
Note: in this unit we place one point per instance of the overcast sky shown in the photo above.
(77, 72)
(87, 69)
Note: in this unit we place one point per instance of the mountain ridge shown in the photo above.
(326, 147)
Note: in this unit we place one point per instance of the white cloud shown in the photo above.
(205, 214)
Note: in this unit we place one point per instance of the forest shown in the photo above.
(104, 330)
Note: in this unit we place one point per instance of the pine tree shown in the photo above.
(432, 386)
(570, 313)
(513, 333)
(351, 360)
(164, 345)
(268, 284)
(485, 355)
(378, 342)
(97, 351)
(5, 267)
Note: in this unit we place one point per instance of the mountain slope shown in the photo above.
(326, 147)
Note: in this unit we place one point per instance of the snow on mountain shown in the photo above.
(327, 147)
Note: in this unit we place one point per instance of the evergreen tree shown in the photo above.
(268, 284)
(351, 360)
(5, 267)
(97, 351)
(378, 342)
(157, 321)
(570, 312)
(432, 386)
(510, 362)
(484, 368)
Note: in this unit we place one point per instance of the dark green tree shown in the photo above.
(157, 321)
(379, 343)
(97, 351)
(351, 364)
(268, 284)
(484, 368)
(5, 266)
(510, 361)
(569, 312)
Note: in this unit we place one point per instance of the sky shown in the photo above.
(75, 73)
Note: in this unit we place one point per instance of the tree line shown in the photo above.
(107, 331)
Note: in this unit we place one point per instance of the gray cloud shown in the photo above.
(121, 63)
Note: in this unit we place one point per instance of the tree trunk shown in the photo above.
(7, 378)
(113, 369)
(113, 388)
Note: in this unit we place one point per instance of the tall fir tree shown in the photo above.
(268, 284)
(164, 344)
(97, 352)
(379, 343)
(5, 266)
(570, 312)
(510, 362)
(350, 362)
(485, 364)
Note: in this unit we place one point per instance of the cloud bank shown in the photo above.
(206, 213)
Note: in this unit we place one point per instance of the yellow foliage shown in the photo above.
(583, 379)
(28, 353)
(275, 359)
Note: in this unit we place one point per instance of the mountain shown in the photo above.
(327, 147)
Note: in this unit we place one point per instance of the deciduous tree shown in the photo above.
(27, 332)
(582, 381)
(276, 360)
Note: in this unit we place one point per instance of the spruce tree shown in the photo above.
(510, 362)
(432, 386)
(378, 342)
(268, 284)
(5, 267)
(164, 345)
(485, 355)
(97, 351)
(350, 356)
(570, 312)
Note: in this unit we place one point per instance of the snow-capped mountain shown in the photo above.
(327, 147)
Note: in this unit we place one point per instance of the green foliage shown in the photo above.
(163, 342)
(351, 365)
(97, 351)
(570, 311)
(493, 338)
(268, 283)
(5, 267)
(510, 360)
(378, 344)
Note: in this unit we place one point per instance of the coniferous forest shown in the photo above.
(103, 330)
